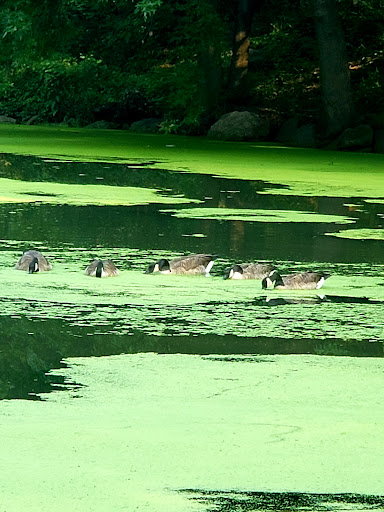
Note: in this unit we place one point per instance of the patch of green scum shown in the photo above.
(256, 215)
(359, 322)
(304, 171)
(375, 201)
(147, 426)
(360, 234)
(15, 191)
(183, 305)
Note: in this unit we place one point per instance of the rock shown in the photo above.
(32, 119)
(102, 125)
(147, 125)
(305, 136)
(287, 131)
(359, 137)
(378, 141)
(6, 119)
(291, 133)
(239, 126)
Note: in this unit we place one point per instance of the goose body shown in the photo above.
(193, 264)
(33, 261)
(249, 271)
(299, 281)
(101, 268)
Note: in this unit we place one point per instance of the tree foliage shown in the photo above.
(77, 61)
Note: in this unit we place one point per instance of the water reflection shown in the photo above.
(231, 501)
(146, 227)
(314, 299)
(32, 342)
(30, 348)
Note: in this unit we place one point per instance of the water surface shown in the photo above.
(204, 391)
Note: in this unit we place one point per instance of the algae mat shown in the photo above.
(306, 172)
(17, 191)
(253, 215)
(144, 426)
(192, 305)
(360, 234)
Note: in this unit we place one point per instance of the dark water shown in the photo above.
(225, 501)
(25, 358)
(33, 342)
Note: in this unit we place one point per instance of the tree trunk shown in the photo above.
(209, 60)
(237, 81)
(335, 86)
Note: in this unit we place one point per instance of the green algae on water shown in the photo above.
(187, 305)
(360, 234)
(144, 426)
(303, 171)
(258, 215)
(15, 191)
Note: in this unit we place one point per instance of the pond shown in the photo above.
(175, 393)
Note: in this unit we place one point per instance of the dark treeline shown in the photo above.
(187, 62)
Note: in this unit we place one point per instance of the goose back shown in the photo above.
(101, 268)
(193, 264)
(249, 271)
(33, 261)
(297, 281)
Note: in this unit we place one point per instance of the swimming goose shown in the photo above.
(33, 261)
(192, 264)
(101, 268)
(300, 281)
(249, 271)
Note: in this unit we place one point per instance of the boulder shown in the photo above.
(305, 136)
(291, 133)
(378, 144)
(6, 119)
(147, 125)
(287, 131)
(239, 126)
(102, 125)
(359, 137)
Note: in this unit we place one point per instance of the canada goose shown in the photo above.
(192, 264)
(101, 268)
(300, 281)
(249, 271)
(33, 261)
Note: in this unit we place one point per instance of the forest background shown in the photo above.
(188, 62)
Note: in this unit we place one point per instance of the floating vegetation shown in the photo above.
(15, 191)
(305, 172)
(258, 215)
(185, 305)
(360, 234)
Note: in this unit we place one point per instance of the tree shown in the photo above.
(237, 86)
(335, 85)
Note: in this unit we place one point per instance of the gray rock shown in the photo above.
(6, 119)
(287, 131)
(305, 136)
(102, 125)
(147, 125)
(291, 133)
(378, 141)
(239, 126)
(360, 137)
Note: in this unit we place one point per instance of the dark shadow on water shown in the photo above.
(314, 299)
(145, 228)
(30, 348)
(235, 501)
